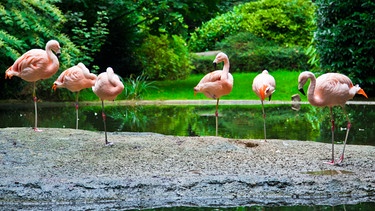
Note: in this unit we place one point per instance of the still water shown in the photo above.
(235, 121)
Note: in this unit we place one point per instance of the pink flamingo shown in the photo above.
(217, 83)
(264, 86)
(330, 89)
(75, 79)
(107, 87)
(34, 65)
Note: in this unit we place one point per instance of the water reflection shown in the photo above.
(235, 121)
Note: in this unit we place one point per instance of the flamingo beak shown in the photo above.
(214, 65)
(301, 90)
(54, 86)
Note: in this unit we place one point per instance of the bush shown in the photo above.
(213, 31)
(249, 53)
(345, 39)
(164, 57)
(203, 64)
(287, 22)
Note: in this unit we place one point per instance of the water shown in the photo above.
(235, 121)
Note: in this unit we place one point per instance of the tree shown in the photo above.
(345, 39)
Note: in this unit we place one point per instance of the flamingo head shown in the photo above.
(220, 57)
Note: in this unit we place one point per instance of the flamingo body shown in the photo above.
(264, 86)
(107, 86)
(75, 78)
(330, 89)
(217, 83)
(36, 64)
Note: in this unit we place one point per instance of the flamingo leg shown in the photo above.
(105, 126)
(264, 122)
(35, 99)
(77, 106)
(346, 136)
(217, 116)
(332, 162)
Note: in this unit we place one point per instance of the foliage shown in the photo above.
(136, 87)
(88, 39)
(213, 31)
(287, 22)
(27, 25)
(345, 39)
(164, 57)
(249, 53)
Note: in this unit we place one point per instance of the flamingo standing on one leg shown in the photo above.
(217, 83)
(263, 86)
(107, 87)
(34, 65)
(75, 79)
(330, 89)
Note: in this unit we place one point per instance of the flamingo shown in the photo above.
(264, 86)
(75, 79)
(107, 87)
(330, 89)
(34, 65)
(217, 83)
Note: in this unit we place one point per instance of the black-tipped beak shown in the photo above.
(269, 98)
(301, 90)
(214, 65)
(58, 55)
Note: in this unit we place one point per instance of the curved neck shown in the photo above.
(226, 66)
(312, 98)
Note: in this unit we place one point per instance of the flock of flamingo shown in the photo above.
(330, 89)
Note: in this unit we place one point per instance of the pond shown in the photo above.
(235, 121)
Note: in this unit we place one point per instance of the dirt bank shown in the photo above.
(73, 168)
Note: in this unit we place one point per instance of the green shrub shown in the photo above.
(287, 22)
(345, 39)
(213, 31)
(249, 53)
(164, 57)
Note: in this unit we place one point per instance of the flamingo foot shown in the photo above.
(340, 159)
(37, 130)
(332, 162)
(108, 144)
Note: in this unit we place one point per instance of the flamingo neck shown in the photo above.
(312, 98)
(224, 75)
(52, 57)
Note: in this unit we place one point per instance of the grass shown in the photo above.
(286, 86)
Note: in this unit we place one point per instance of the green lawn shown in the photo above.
(286, 86)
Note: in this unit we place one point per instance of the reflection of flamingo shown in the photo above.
(263, 86)
(330, 89)
(107, 87)
(75, 79)
(34, 65)
(217, 83)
